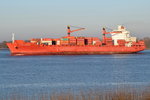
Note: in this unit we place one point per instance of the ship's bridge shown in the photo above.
(122, 34)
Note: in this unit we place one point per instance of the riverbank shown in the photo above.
(121, 94)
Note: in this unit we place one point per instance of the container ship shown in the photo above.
(118, 42)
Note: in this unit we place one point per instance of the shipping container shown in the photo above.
(34, 40)
(66, 42)
(64, 39)
(80, 41)
(98, 43)
(95, 38)
(58, 42)
(69, 37)
(46, 39)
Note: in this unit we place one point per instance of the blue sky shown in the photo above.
(49, 18)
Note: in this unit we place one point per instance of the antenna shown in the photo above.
(13, 37)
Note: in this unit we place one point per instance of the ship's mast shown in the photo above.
(13, 37)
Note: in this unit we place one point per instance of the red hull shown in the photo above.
(33, 49)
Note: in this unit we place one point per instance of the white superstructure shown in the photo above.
(122, 34)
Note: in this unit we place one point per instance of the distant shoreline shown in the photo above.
(147, 49)
(3, 48)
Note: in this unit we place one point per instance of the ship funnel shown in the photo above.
(120, 27)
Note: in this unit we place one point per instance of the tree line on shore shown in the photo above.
(3, 45)
(146, 40)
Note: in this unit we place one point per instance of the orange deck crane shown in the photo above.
(70, 31)
(104, 34)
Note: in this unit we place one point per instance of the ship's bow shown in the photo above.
(12, 48)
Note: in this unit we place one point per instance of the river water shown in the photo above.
(35, 74)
